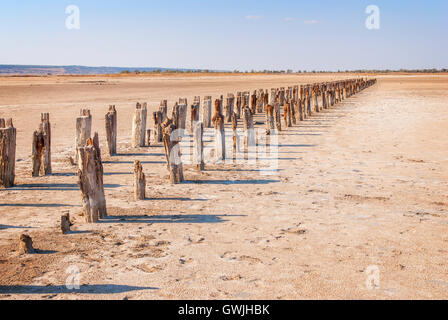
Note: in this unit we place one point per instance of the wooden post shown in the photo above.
(194, 116)
(25, 244)
(206, 115)
(253, 103)
(239, 103)
(198, 145)
(163, 110)
(270, 123)
(90, 181)
(171, 139)
(229, 107)
(65, 223)
(277, 116)
(157, 117)
(7, 153)
(139, 126)
(248, 127)
(220, 137)
(183, 106)
(83, 130)
(139, 181)
(111, 130)
(235, 136)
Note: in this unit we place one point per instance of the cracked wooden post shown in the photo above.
(8, 136)
(253, 102)
(239, 103)
(206, 114)
(315, 95)
(83, 130)
(287, 113)
(111, 130)
(171, 139)
(182, 120)
(235, 136)
(139, 181)
(249, 131)
(65, 223)
(265, 99)
(308, 101)
(90, 181)
(25, 244)
(260, 100)
(230, 101)
(41, 148)
(163, 108)
(139, 126)
(270, 123)
(148, 137)
(157, 117)
(198, 145)
(220, 137)
(194, 117)
(277, 116)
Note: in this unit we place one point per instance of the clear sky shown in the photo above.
(226, 35)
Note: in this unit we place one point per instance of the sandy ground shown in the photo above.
(358, 187)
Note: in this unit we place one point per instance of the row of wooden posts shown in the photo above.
(297, 102)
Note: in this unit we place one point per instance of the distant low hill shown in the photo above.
(80, 70)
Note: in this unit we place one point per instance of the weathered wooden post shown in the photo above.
(90, 181)
(239, 103)
(41, 147)
(171, 139)
(248, 127)
(235, 136)
(206, 115)
(65, 223)
(139, 126)
(253, 102)
(25, 244)
(157, 117)
(315, 96)
(7, 153)
(270, 123)
(83, 129)
(229, 107)
(198, 145)
(308, 101)
(260, 100)
(148, 137)
(139, 181)
(183, 106)
(220, 137)
(111, 130)
(194, 117)
(163, 110)
(277, 116)
(287, 113)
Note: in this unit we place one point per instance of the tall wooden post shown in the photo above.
(157, 117)
(171, 139)
(277, 116)
(163, 110)
(206, 114)
(111, 130)
(229, 107)
(139, 181)
(270, 123)
(220, 137)
(41, 147)
(235, 136)
(83, 129)
(198, 145)
(90, 181)
(183, 106)
(139, 126)
(249, 131)
(239, 103)
(7, 153)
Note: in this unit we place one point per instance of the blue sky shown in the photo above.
(243, 35)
